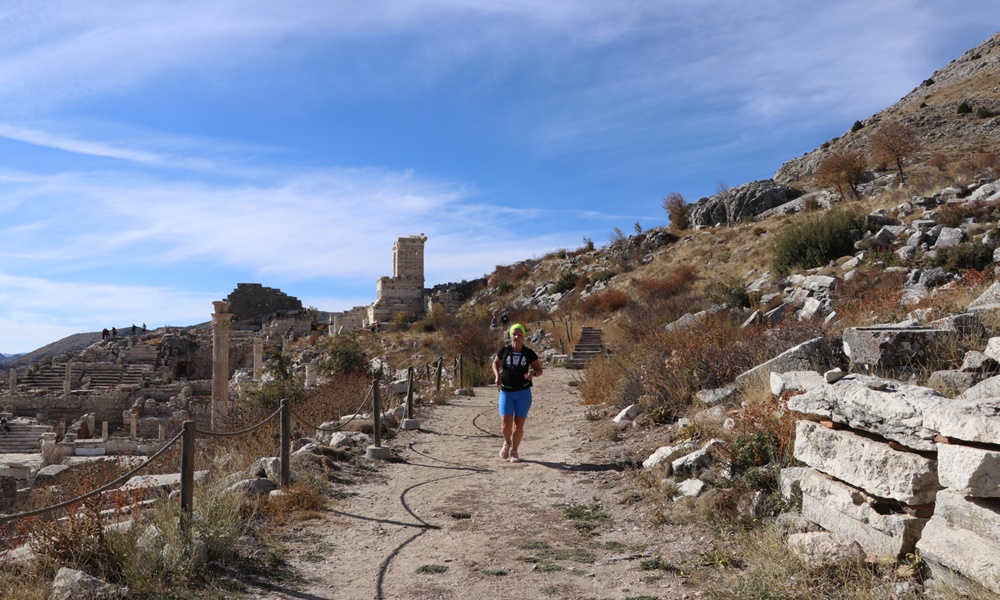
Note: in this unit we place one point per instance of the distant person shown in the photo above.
(105, 334)
(134, 329)
(114, 332)
(504, 321)
(3, 424)
(515, 366)
(144, 328)
(378, 327)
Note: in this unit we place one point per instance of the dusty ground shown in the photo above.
(450, 519)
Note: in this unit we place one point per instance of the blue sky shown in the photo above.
(156, 154)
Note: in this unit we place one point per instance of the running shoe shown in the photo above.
(514, 457)
(505, 451)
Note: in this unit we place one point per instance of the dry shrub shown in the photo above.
(297, 502)
(340, 396)
(53, 454)
(520, 272)
(678, 282)
(760, 565)
(600, 381)
(952, 215)
(665, 369)
(871, 297)
(603, 303)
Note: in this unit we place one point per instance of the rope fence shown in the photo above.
(190, 433)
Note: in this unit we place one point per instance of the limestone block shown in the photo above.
(979, 361)
(846, 510)
(819, 283)
(690, 488)
(691, 463)
(790, 484)
(824, 549)
(867, 464)
(627, 414)
(892, 346)
(968, 420)
(51, 474)
(962, 551)
(953, 381)
(981, 515)
(949, 236)
(965, 323)
(666, 454)
(990, 297)
(795, 380)
(987, 388)
(715, 396)
(890, 409)
(70, 583)
(969, 471)
(812, 355)
(834, 375)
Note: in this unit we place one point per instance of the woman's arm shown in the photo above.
(496, 370)
(536, 369)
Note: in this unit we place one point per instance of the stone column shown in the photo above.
(12, 381)
(68, 380)
(134, 426)
(310, 376)
(221, 324)
(333, 326)
(105, 433)
(258, 358)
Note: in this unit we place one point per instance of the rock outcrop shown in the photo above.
(741, 203)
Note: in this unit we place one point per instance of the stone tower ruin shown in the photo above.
(404, 291)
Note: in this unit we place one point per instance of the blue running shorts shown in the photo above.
(515, 403)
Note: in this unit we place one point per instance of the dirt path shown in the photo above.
(452, 520)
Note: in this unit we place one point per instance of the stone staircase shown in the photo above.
(24, 437)
(51, 377)
(589, 346)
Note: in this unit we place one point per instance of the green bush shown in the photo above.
(974, 255)
(565, 283)
(604, 275)
(729, 292)
(752, 450)
(343, 355)
(814, 241)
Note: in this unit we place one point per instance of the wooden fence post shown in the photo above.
(187, 476)
(286, 442)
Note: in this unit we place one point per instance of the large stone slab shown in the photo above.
(887, 408)
(962, 536)
(968, 420)
(987, 388)
(846, 510)
(867, 463)
(799, 381)
(981, 515)
(813, 355)
(890, 346)
(969, 471)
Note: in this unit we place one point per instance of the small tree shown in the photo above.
(844, 170)
(893, 143)
(679, 211)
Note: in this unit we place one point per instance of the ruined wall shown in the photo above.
(251, 301)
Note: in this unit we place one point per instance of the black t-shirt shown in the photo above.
(514, 366)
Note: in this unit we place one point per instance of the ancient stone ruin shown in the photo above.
(403, 292)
